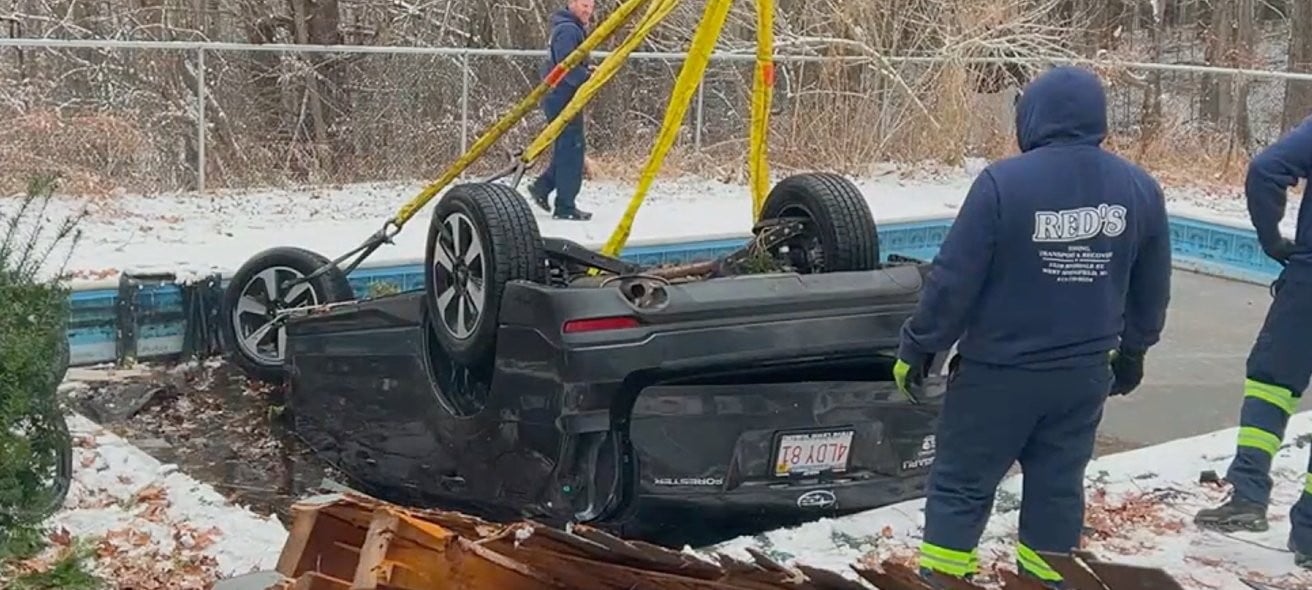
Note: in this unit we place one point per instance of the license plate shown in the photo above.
(813, 452)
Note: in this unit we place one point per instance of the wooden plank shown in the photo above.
(298, 538)
(1014, 581)
(829, 580)
(583, 573)
(327, 549)
(893, 578)
(1129, 577)
(484, 568)
(373, 569)
(318, 581)
(1073, 571)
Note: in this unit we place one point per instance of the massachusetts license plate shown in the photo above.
(813, 452)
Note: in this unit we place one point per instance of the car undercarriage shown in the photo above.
(532, 376)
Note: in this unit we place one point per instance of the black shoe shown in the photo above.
(1303, 560)
(540, 197)
(1233, 516)
(573, 215)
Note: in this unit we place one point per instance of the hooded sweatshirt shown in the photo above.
(566, 35)
(1058, 254)
(1270, 175)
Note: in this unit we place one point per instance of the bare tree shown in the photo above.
(130, 118)
(1298, 95)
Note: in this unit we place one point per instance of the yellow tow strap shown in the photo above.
(699, 54)
(758, 168)
(656, 12)
(690, 77)
(604, 31)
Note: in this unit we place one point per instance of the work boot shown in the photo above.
(572, 215)
(937, 582)
(539, 196)
(1048, 584)
(1303, 560)
(1233, 516)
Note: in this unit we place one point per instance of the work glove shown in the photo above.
(1280, 251)
(910, 377)
(1127, 367)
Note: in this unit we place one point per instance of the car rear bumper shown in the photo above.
(714, 450)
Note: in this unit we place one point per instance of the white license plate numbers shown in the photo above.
(812, 453)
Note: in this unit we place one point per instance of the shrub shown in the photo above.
(33, 357)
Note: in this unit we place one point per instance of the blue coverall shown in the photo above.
(1280, 362)
(564, 174)
(1057, 257)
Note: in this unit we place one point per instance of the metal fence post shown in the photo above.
(464, 102)
(200, 120)
(697, 129)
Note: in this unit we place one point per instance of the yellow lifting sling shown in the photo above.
(604, 31)
(685, 86)
(699, 54)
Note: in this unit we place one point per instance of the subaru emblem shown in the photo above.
(817, 499)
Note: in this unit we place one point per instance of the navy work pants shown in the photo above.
(1279, 368)
(564, 174)
(993, 417)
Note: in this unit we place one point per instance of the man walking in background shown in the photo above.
(564, 174)
(1057, 257)
(1280, 363)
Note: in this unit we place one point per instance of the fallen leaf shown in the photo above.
(154, 513)
(152, 493)
(61, 537)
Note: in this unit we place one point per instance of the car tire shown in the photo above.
(63, 355)
(844, 225)
(247, 310)
(488, 238)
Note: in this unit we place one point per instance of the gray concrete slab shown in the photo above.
(1193, 382)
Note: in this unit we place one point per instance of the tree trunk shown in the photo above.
(1095, 17)
(1215, 93)
(316, 23)
(1152, 99)
(1246, 56)
(1232, 40)
(1298, 95)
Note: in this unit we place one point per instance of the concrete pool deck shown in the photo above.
(1193, 382)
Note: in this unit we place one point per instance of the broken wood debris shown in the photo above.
(353, 542)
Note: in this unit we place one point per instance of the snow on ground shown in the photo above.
(151, 523)
(190, 234)
(201, 234)
(1141, 506)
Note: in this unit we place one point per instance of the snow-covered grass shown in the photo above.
(189, 234)
(1141, 506)
(153, 526)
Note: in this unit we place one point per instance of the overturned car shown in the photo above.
(532, 377)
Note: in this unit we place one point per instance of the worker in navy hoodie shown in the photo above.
(1280, 362)
(564, 174)
(1053, 282)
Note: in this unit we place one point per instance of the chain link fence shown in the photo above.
(151, 117)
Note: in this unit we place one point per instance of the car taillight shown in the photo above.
(599, 324)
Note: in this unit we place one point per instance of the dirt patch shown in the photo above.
(214, 425)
